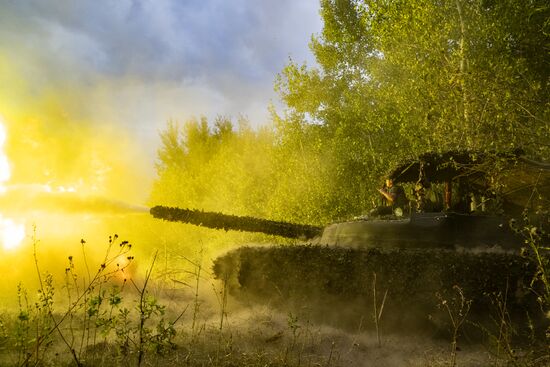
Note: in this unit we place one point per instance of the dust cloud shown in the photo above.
(254, 329)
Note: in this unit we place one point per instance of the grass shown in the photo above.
(102, 315)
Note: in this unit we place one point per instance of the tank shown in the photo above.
(412, 263)
(439, 230)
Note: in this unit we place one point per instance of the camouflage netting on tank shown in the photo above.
(443, 166)
(234, 222)
(520, 183)
(336, 284)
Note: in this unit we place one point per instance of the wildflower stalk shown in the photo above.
(143, 314)
(101, 272)
(48, 305)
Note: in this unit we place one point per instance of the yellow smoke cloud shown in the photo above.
(66, 172)
(55, 139)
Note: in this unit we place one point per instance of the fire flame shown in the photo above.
(5, 173)
(12, 233)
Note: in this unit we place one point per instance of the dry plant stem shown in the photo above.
(452, 362)
(142, 316)
(540, 264)
(456, 321)
(196, 304)
(535, 247)
(504, 329)
(354, 341)
(502, 322)
(82, 242)
(22, 299)
(223, 314)
(378, 314)
(223, 305)
(86, 319)
(223, 302)
(100, 302)
(329, 360)
(67, 285)
(74, 278)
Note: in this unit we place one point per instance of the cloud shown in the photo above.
(134, 64)
(164, 39)
(216, 45)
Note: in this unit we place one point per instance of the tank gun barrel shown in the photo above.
(234, 222)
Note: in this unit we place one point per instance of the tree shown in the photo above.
(395, 79)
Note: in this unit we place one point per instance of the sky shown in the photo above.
(86, 86)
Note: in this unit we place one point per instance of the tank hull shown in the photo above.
(339, 285)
